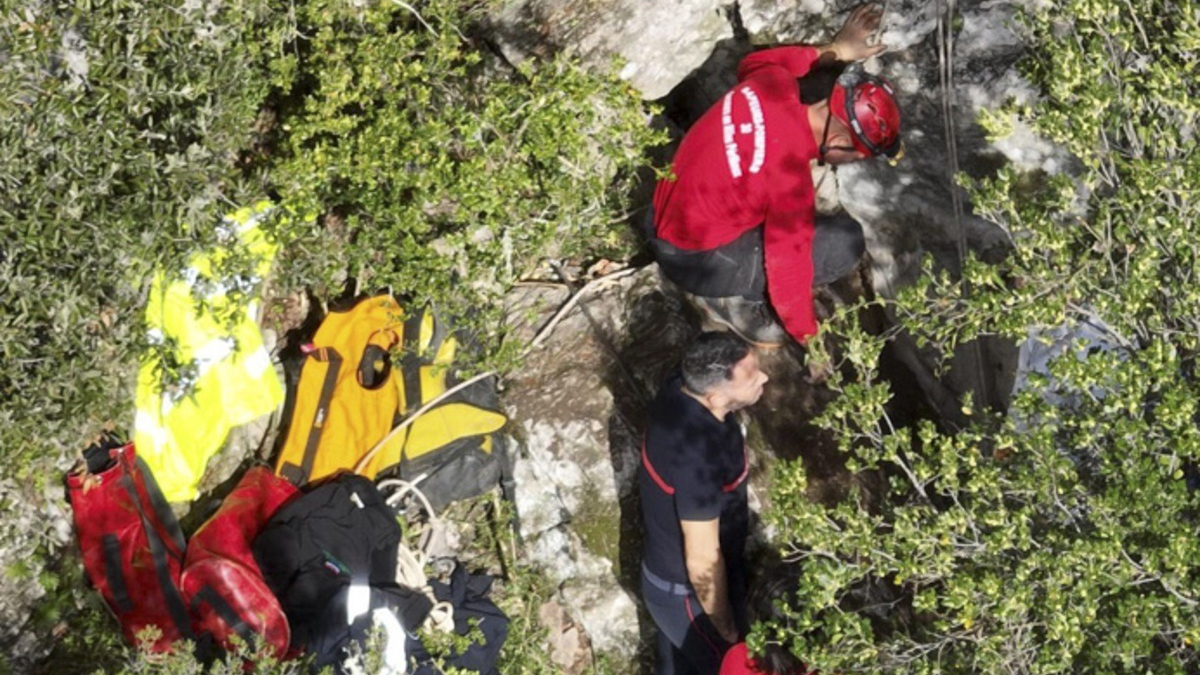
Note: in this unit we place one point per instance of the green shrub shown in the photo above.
(121, 128)
(120, 132)
(127, 129)
(446, 174)
(1065, 542)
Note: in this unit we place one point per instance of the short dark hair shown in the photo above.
(709, 360)
(770, 596)
(817, 83)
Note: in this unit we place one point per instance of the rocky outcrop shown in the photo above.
(659, 42)
(569, 646)
(683, 54)
(577, 405)
(36, 521)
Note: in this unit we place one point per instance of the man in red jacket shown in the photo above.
(735, 223)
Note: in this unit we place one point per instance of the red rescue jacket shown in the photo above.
(745, 164)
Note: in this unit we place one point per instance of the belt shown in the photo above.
(664, 585)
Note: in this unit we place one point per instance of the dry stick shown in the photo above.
(602, 337)
(570, 304)
(417, 14)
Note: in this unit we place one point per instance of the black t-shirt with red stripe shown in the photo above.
(694, 467)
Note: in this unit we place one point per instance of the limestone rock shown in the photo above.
(569, 646)
(659, 42)
(562, 557)
(538, 503)
(607, 613)
(569, 400)
(36, 527)
(578, 403)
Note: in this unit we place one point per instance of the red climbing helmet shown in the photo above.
(867, 104)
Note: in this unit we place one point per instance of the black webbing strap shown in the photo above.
(162, 509)
(445, 457)
(508, 482)
(174, 600)
(414, 357)
(298, 475)
(114, 573)
(410, 363)
(440, 333)
(209, 595)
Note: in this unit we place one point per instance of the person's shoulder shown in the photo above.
(670, 397)
(787, 61)
(672, 384)
(667, 411)
(780, 55)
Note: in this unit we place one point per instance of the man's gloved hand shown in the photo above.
(850, 44)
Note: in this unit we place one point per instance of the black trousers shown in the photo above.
(738, 269)
(687, 642)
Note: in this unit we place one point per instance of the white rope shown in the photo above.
(366, 459)
(541, 336)
(404, 487)
(410, 564)
(412, 10)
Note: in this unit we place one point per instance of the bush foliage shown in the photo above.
(447, 174)
(1045, 538)
(127, 129)
(120, 128)
(1058, 536)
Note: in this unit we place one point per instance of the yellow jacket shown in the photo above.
(228, 375)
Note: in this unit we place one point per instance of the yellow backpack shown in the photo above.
(349, 396)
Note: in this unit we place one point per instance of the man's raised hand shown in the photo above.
(850, 44)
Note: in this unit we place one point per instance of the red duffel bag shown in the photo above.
(224, 587)
(131, 544)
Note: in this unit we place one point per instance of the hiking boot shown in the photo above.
(751, 320)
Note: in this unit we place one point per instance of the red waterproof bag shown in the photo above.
(225, 589)
(131, 544)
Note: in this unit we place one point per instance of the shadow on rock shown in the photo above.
(659, 327)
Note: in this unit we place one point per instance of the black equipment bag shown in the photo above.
(468, 593)
(340, 534)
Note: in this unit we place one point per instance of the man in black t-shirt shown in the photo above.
(693, 494)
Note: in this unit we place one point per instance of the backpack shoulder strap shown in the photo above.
(159, 552)
(410, 361)
(298, 475)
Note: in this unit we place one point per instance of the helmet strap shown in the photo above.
(824, 147)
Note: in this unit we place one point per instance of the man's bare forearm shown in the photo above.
(712, 590)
